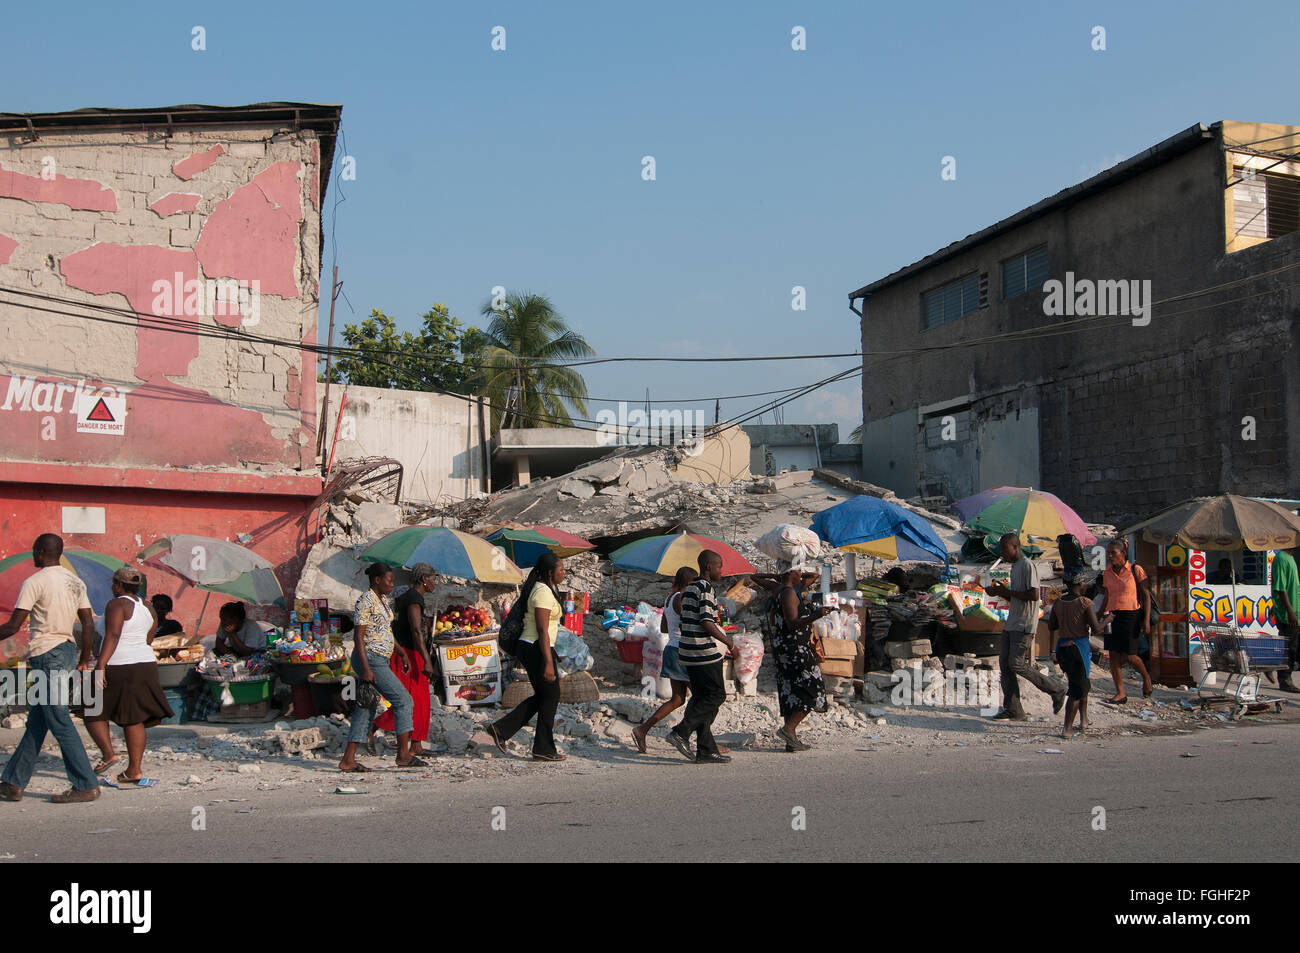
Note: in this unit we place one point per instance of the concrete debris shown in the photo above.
(371, 520)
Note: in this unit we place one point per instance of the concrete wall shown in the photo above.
(118, 217)
(1129, 419)
(436, 438)
(777, 447)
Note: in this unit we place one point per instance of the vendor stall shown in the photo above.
(1192, 594)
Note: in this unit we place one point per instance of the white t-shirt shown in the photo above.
(52, 597)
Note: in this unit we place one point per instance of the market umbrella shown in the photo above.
(876, 527)
(1026, 512)
(449, 551)
(1226, 521)
(94, 569)
(216, 565)
(666, 554)
(524, 544)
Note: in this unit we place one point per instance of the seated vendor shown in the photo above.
(162, 605)
(238, 635)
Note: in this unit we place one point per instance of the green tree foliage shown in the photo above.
(427, 361)
(524, 334)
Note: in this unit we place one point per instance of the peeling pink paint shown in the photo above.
(132, 271)
(174, 202)
(7, 246)
(189, 168)
(315, 175)
(253, 235)
(84, 194)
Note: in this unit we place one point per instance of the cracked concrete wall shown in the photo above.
(148, 223)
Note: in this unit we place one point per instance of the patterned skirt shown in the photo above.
(799, 684)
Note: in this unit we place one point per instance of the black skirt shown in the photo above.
(133, 695)
(1125, 629)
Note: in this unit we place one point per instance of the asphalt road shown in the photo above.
(1234, 799)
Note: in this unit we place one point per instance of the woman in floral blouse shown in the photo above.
(370, 660)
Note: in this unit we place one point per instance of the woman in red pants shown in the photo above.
(411, 662)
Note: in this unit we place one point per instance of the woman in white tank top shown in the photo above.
(126, 677)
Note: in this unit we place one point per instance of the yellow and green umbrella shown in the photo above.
(664, 555)
(1026, 512)
(449, 551)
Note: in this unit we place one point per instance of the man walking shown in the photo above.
(50, 601)
(1018, 634)
(699, 655)
(1286, 605)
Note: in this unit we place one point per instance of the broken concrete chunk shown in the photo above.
(577, 488)
(916, 648)
(374, 519)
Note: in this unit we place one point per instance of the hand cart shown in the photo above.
(1229, 676)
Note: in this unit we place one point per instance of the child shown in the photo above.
(672, 667)
(1071, 621)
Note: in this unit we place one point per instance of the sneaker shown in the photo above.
(75, 796)
(1058, 702)
(681, 744)
(713, 759)
(10, 793)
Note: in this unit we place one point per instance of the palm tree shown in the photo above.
(856, 435)
(525, 334)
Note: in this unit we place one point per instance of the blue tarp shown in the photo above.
(865, 519)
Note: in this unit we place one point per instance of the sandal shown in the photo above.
(413, 763)
(638, 737)
(106, 764)
(123, 779)
(357, 768)
(1117, 700)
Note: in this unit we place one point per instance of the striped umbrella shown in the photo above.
(1029, 513)
(666, 554)
(450, 553)
(524, 544)
(94, 569)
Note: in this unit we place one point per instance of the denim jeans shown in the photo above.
(1013, 660)
(391, 687)
(56, 720)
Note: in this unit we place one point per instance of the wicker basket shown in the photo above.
(516, 693)
(579, 687)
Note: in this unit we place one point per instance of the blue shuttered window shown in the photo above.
(953, 300)
(1024, 272)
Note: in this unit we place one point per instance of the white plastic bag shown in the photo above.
(652, 655)
(790, 542)
(749, 656)
(573, 652)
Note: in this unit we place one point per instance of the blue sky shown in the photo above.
(775, 168)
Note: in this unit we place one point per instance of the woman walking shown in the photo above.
(799, 685)
(411, 663)
(536, 650)
(371, 655)
(126, 676)
(1127, 601)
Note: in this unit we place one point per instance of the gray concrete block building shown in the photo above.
(1126, 343)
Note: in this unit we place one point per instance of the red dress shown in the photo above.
(418, 685)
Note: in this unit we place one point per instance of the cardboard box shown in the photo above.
(841, 651)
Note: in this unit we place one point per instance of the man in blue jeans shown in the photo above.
(50, 601)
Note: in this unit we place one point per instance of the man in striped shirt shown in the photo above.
(699, 655)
